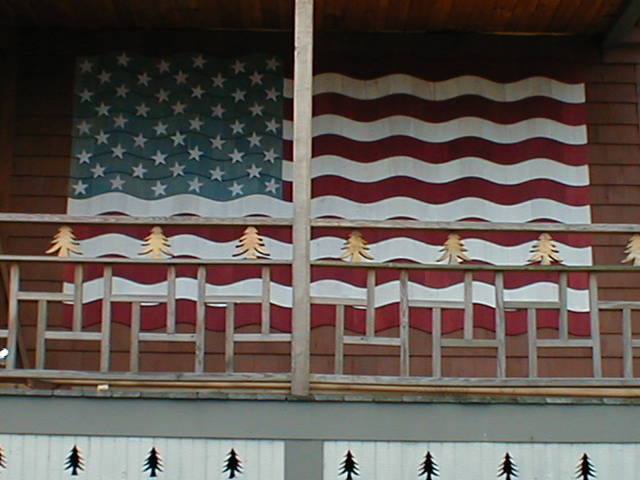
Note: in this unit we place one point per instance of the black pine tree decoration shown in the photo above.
(153, 463)
(232, 464)
(508, 469)
(75, 462)
(585, 470)
(349, 466)
(3, 460)
(429, 467)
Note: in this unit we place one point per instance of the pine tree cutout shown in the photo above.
(508, 469)
(454, 250)
(356, 247)
(633, 251)
(153, 463)
(428, 467)
(74, 462)
(251, 244)
(349, 466)
(156, 244)
(64, 242)
(232, 464)
(585, 470)
(544, 251)
(3, 460)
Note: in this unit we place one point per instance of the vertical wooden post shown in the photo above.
(302, 133)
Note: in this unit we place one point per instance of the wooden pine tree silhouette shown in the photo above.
(454, 250)
(508, 469)
(3, 460)
(74, 462)
(251, 243)
(428, 467)
(544, 251)
(356, 247)
(156, 244)
(64, 242)
(585, 470)
(349, 466)
(633, 251)
(153, 463)
(232, 464)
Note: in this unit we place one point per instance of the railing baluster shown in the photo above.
(229, 331)
(134, 347)
(77, 297)
(171, 299)
(371, 303)
(404, 324)
(627, 343)
(338, 366)
(105, 343)
(12, 321)
(436, 345)
(595, 326)
(500, 325)
(468, 305)
(265, 321)
(564, 313)
(41, 328)
(532, 337)
(201, 319)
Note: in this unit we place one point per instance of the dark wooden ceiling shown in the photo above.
(582, 17)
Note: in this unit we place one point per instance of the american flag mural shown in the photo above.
(405, 138)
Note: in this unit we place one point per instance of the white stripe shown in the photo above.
(331, 247)
(536, 168)
(385, 294)
(443, 90)
(445, 131)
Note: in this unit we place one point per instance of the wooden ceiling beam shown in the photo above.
(626, 21)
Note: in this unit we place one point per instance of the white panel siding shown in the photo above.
(31, 457)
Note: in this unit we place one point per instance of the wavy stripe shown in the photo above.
(331, 247)
(444, 132)
(537, 168)
(444, 89)
(385, 294)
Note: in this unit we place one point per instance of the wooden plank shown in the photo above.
(229, 333)
(302, 143)
(105, 344)
(570, 343)
(167, 337)
(260, 337)
(532, 342)
(134, 340)
(627, 344)
(49, 296)
(436, 342)
(370, 327)
(449, 304)
(526, 305)
(78, 278)
(200, 319)
(41, 329)
(618, 305)
(12, 315)
(70, 335)
(405, 354)
(338, 365)
(353, 302)
(563, 332)
(594, 316)
(265, 309)
(469, 343)
(365, 340)
(468, 305)
(500, 326)
(171, 299)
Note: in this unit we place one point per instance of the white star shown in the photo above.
(139, 171)
(159, 189)
(195, 184)
(118, 151)
(162, 96)
(236, 156)
(199, 61)
(120, 121)
(272, 126)
(254, 171)
(195, 124)
(104, 77)
(178, 138)
(178, 108)
(160, 128)
(98, 171)
(159, 158)
(238, 66)
(142, 110)
(123, 59)
(177, 169)
(270, 156)
(236, 189)
(217, 111)
(272, 64)
(84, 127)
(139, 141)
(102, 137)
(256, 78)
(217, 142)
(163, 66)
(122, 91)
(195, 153)
(218, 81)
(181, 77)
(83, 157)
(238, 95)
(85, 66)
(144, 79)
(216, 174)
(103, 110)
(256, 110)
(271, 186)
(197, 91)
(80, 188)
(272, 94)
(237, 126)
(116, 183)
(254, 140)
(85, 95)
